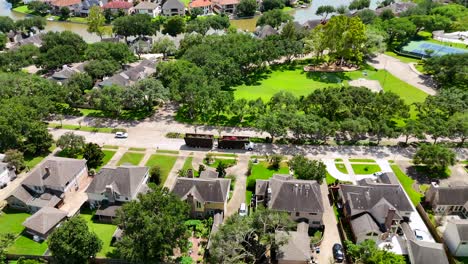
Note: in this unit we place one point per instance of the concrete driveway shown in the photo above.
(238, 196)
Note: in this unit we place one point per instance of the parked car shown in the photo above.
(121, 135)
(243, 209)
(338, 254)
(378, 173)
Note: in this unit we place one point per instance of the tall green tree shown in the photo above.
(15, 158)
(436, 157)
(246, 8)
(324, 11)
(71, 144)
(73, 242)
(96, 21)
(306, 169)
(174, 26)
(359, 4)
(6, 24)
(153, 225)
(93, 155)
(6, 239)
(273, 18)
(446, 70)
(367, 252)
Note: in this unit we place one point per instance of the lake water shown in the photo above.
(300, 15)
(5, 10)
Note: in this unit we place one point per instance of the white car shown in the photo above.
(121, 135)
(243, 209)
(379, 173)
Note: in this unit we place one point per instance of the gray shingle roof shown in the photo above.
(22, 194)
(125, 180)
(207, 190)
(462, 228)
(44, 200)
(61, 172)
(210, 174)
(288, 194)
(109, 211)
(297, 247)
(455, 195)
(265, 31)
(146, 5)
(174, 4)
(44, 220)
(424, 252)
(363, 225)
(365, 198)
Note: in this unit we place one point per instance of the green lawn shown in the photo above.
(341, 167)
(82, 20)
(82, 128)
(365, 168)
(228, 162)
(110, 147)
(329, 179)
(300, 83)
(23, 9)
(103, 231)
(164, 162)
(25, 245)
(108, 154)
(248, 24)
(188, 163)
(11, 220)
(407, 184)
(167, 151)
(137, 149)
(402, 58)
(131, 157)
(261, 171)
(32, 161)
(362, 160)
(338, 160)
(225, 155)
(248, 197)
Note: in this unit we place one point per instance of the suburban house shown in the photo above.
(301, 199)
(116, 6)
(265, 31)
(35, 40)
(225, 6)
(87, 4)
(173, 8)
(7, 173)
(297, 247)
(206, 197)
(205, 5)
(375, 209)
(149, 8)
(43, 222)
(46, 184)
(66, 72)
(449, 199)
(456, 237)
(73, 5)
(128, 77)
(113, 186)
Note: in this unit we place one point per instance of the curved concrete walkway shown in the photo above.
(351, 177)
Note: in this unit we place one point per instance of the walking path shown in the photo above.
(238, 195)
(351, 176)
(117, 156)
(147, 156)
(403, 72)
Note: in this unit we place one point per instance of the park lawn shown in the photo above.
(25, 245)
(103, 231)
(81, 128)
(228, 162)
(108, 154)
(341, 167)
(131, 157)
(362, 160)
(11, 220)
(164, 162)
(23, 9)
(137, 149)
(365, 168)
(407, 184)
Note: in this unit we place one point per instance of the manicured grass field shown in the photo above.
(110, 147)
(338, 160)
(407, 184)
(137, 149)
(131, 157)
(32, 161)
(365, 168)
(188, 164)
(225, 155)
(108, 154)
(301, 83)
(228, 162)
(329, 179)
(262, 171)
(25, 245)
(402, 58)
(10, 221)
(362, 160)
(103, 231)
(82, 128)
(164, 162)
(167, 151)
(341, 167)
(23, 9)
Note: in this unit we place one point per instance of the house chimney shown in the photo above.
(389, 218)
(109, 193)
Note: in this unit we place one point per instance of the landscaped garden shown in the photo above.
(341, 167)
(164, 162)
(365, 168)
(362, 160)
(215, 162)
(131, 157)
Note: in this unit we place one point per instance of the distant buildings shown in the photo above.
(448, 199)
(173, 8)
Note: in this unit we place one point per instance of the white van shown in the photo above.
(243, 209)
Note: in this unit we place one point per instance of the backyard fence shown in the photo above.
(434, 232)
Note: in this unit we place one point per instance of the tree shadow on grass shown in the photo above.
(425, 176)
(327, 77)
